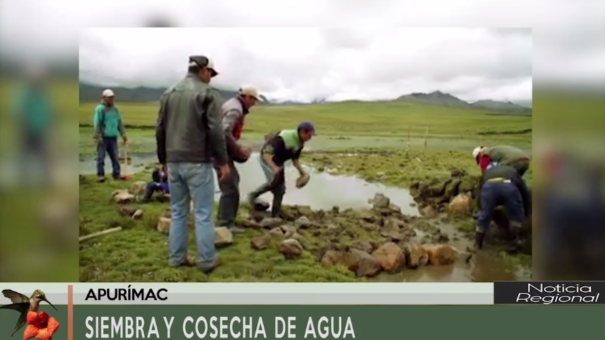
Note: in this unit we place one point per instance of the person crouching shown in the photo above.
(502, 185)
(159, 183)
(279, 148)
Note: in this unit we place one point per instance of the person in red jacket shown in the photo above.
(234, 114)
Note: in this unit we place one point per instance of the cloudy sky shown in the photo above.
(304, 64)
(567, 41)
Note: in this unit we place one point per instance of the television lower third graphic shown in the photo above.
(547, 293)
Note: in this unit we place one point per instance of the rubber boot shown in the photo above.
(516, 243)
(479, 237)
(253, 196)
(276, 206)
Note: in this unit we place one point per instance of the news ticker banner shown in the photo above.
(307, 311)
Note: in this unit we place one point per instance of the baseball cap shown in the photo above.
(307, 126)
(203, 61)
(250, 91)
(108, 93)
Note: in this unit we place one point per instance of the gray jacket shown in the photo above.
(189, 127)
(233, 124)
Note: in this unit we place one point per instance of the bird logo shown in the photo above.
(39, 325)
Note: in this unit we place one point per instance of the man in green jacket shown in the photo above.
(503, 155)
(278, 149)
(108, 126)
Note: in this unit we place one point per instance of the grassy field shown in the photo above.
(397, 144)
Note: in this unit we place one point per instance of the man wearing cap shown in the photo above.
(234, 113)
(279, 148)
(502, 154)
(108, 126)
(189, 136)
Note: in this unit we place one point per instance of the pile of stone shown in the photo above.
(366, 241)
(457, 195)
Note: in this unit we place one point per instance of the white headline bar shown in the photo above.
(264, 293)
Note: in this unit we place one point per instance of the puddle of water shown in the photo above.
(325, 191)
(322, 192)
(482, 268)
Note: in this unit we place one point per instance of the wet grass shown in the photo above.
(138, 253)
(379, 142)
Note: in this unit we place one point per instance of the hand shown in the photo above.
(247, 151)
(124, 140)
(276, 171)
(225, 173)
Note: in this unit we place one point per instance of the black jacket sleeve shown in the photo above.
(160, 130)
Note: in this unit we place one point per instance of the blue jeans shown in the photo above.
(108, 146)
(500, 193)
(191, 181)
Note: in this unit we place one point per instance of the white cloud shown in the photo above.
(305, 64)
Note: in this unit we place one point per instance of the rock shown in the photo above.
(137, 188)
(365, 215)
(458, 173)
(127, 211)
(364, 246)
(137, 214)
(428, 211)
(260, 205)
(380, 201)
(367, 265)
(222, 237)
(163, 225)
(342, 258)
(288, 230)
(251, 224)
(391, 230)
(302, 180)
(333, 229)
(271, 222)
(440, 254)
(415, 255)
(303, 222)
(122, 196)
(394, 208)
(290, 248)
(460, 205)
(277, 232)
(298, 237)
(390, 256)
(260, 242)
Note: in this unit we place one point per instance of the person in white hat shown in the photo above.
(108, 126)
(234, 112)
(190, 138)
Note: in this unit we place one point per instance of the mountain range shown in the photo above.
(91, 93)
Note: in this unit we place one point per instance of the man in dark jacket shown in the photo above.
(234, 112)
(502, 185)
(189, 137)
(279, 148)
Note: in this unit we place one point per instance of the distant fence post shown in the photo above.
(426, 135)
(408, 143)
